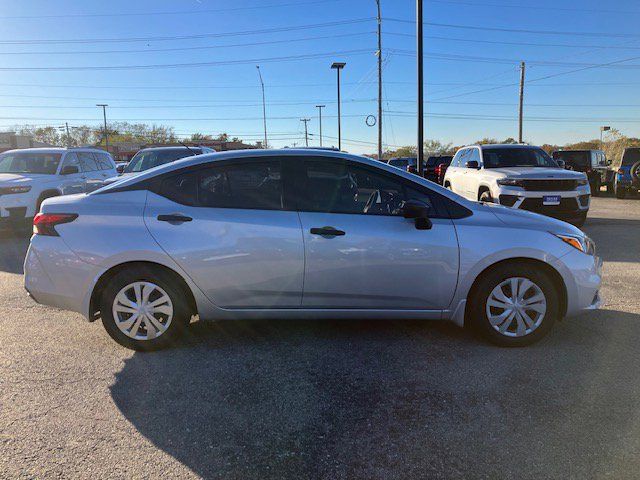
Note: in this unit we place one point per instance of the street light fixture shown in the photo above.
(339, 66)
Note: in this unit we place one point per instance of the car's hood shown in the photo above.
(522, 218)
(537, 173)
(16, 178)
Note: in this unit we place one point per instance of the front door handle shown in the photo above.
(174, 218)
(327, 231)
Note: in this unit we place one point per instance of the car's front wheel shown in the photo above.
(513, 305)
(143, 309)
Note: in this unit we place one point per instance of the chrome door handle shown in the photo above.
(327, 231)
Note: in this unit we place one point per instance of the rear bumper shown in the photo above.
(72, 276)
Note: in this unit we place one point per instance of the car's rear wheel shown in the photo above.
(595, 188)
(514, 305)
(144, 309)
(620, 192)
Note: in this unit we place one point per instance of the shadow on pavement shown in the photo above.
(13, 248)
(375, 399)
(625, 248)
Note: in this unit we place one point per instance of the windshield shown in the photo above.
(517, 157)
(144, 160)
(30, 162)
(574, 159)
(630, 156)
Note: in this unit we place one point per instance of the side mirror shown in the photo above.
(561, 163)
(472, 164)
(69, 170)
(120, 168)
(418, 211)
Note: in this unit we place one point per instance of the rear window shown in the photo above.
(630, 156)
(574, 159)
(402, 162)
(30, 162)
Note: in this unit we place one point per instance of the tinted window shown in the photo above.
(517, 157)
(103, 160)
(87, 162)
(336, 187)
(255, 185)
(181, 188)
(146, 159)
(574, 159)
(29, 162)
(72, 159)
(630, 156)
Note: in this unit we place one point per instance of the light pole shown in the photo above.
(264, 107)
(320, 107)
(420, 151)
(104, 115)
(338, 66)
(603, 129)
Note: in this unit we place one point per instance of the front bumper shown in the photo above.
(16, 207)
(582, 276)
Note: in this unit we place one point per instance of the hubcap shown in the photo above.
(516, 307)
(142, 310)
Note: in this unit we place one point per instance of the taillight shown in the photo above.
(45, 223)
(439, 169)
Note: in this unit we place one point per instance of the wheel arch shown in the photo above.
(483, 188)
(553, 274)
(103, 280)
(48, 193)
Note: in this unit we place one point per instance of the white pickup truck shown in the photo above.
(519, 176)
(31, 175)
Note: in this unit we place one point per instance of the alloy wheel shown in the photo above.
(516, 307)
(142, 310)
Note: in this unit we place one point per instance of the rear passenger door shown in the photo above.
(229, 226)
(74, 182)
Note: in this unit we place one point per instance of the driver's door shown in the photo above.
(360, 253)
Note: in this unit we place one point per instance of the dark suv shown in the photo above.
(592, 162)
(436, 166)
(627, 176)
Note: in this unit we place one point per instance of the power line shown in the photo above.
(287, 58)
(534, 7)
(180, 49)
(519, 30)
(170, 13)
(61, 41)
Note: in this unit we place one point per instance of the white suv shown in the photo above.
(519, 176)
(29, 176)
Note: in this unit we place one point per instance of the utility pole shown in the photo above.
(104, 114)
(338, 66)
(306, 134)
(420, 159)
(320, 107)
(603, 129)
(65, 128)
(379, 82)
(521, 108)
(264, 108)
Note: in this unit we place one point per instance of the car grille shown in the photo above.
(549, 185)
(535, 205)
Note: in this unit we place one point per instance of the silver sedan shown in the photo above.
(303, 234)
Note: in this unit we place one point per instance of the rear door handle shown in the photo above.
(327, 231)
(174, 218)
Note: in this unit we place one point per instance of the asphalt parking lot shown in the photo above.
(330, 399)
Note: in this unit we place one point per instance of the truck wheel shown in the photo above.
(595, 188)
(620, 192)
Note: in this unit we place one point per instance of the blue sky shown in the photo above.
(226, 97)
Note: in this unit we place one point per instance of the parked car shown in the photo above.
(593, 163)
(435, 166)
(31, 175)
(403, 163)
(627, 173)
(152, 157)
(522, 177)
(303, 234)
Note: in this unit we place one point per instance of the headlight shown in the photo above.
(19, 189)
(510, 182)
(582, 182)
(581, 242)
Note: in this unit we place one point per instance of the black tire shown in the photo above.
(478, 320)
(595, 188)
(610, 188)
(619, 191)
(486, 197)
(141, 273)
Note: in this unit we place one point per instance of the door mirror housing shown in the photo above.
(120, 168)
(418, 211)
(473, 164)
(69, 170)
(561, 163)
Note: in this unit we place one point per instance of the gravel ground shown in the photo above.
(327, 399)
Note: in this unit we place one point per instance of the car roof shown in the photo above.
(505, 145)
(55, 149)
(172, 147)
(258, 154)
